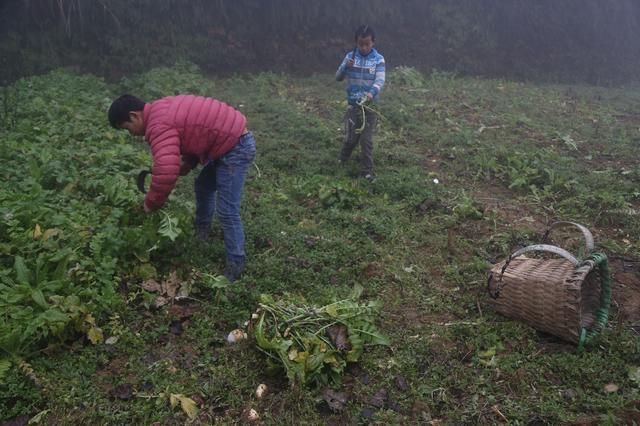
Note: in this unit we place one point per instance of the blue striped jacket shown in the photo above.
(365, 76)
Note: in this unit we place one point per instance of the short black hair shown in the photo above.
(365, 31)
(121, 107)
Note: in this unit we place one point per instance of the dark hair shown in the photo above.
(121, 107)
(365, 31)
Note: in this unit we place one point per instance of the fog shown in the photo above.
(591, 41)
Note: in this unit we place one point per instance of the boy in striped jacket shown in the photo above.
(364, 68)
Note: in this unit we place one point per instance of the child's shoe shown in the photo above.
(370, 177)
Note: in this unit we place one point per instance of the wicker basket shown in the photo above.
(562, 296)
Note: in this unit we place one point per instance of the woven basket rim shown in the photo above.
(560, 272)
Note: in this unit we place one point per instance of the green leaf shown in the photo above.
(332, 311)
(356, 292)
(169, 227)
(314, 362)
(11, 342)
(5, 365)
(22, 272)
(95, 335)
(38, 297)
(379, 339)
(489, 353)
(298, 336)
(187, 404)
(370, 334)
(54, 315)
(357, 346)
(38, 417)
(300, 357)
(216, 281)
(277, 343)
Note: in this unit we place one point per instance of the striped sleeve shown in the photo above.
(379, 78)
(342, 69)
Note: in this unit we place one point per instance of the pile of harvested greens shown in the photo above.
(314, 344)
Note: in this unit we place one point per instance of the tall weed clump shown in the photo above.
(70, 217)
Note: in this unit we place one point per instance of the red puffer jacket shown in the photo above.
(193, 127)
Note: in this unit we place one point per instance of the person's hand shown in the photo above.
(365, 99)
(351, 62)
(146, 208)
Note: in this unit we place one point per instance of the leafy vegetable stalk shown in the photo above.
(314, 344)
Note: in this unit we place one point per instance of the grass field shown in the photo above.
(82, 342)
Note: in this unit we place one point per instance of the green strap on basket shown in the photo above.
(602, 314)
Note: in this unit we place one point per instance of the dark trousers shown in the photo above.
(353, 123)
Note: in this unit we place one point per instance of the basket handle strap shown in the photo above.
(535, 247)
(542, 247)
(588, 238)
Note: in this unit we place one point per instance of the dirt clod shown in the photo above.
(123, 392)
(380, 399)
(401, 383)
(335, 400)
(367, 412)
(175, 327)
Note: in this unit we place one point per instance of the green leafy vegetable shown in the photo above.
(314, 344)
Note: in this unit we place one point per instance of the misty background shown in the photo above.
(590, 41)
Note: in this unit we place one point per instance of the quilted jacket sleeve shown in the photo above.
(165, 150)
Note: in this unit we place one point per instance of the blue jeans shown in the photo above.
(219, 185)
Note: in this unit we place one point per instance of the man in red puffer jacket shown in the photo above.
(186, 130)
